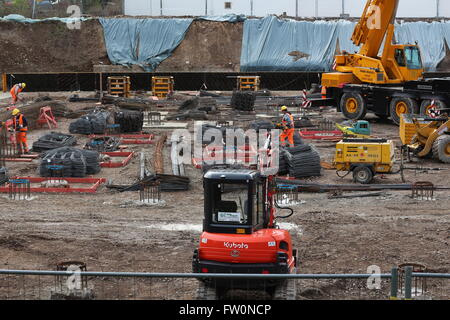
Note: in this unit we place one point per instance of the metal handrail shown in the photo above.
(393, 276)
(195, 275)
(220, 275)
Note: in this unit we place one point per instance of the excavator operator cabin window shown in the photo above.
(231, 203)
(400, 57)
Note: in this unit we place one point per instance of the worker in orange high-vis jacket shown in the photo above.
(288, 127)
(20, 126)
(16, 90)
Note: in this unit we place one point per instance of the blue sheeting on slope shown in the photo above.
(225, 18)
(446, 32)
(430, 38)
(143, 42)
(22, 19)
(267, 43)
(148, 42)
(271, 44)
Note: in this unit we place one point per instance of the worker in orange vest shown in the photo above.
(20, 126)
(288, 127)
(15, 90)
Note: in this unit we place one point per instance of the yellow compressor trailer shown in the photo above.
(364, 158)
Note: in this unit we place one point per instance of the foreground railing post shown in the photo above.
(394, 284)
(408, 283)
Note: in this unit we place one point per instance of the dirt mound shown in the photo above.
(51, 47)
(208, 46)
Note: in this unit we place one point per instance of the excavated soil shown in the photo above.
(109, 232)
(208, 47)
(51, 47)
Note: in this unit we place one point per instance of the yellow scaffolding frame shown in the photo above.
(248, 83)
(162, 86)
(119, 86)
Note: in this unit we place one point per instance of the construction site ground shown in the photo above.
(110, 231)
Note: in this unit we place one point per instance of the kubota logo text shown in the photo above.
(232, 245)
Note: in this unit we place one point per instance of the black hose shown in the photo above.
(342, 177)
(284, 208)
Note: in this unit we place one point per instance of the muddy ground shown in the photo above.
(109, 232)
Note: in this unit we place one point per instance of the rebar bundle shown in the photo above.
(8, 149)
(93, 123)
(53, 140)
(244, 101)
(19, 189)
(75, 162)
(150, 193)
(129, 121)
(303, 161)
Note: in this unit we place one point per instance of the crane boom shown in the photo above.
(379, 77)
(379, 60)
(373, 26)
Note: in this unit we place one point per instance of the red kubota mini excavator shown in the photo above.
(240, 235)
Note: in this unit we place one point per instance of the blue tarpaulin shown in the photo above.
(22, 19)
(225, 18)
(272, 44)
(345, 31)
(268, 44)
(429, 37)
(143, 42)
(148, 42)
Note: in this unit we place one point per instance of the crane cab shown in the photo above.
(408, 60)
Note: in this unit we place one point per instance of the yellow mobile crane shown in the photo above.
(389, 84)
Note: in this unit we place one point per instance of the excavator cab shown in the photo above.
(234, 202)
(240, 234)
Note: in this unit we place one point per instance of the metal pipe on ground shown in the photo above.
(158, 158)
(311, 187)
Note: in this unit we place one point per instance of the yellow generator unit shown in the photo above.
(365, 158)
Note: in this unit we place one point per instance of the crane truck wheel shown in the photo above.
(426, 106)
(353, 106)
(441, 148)
(402, 105)
(363, 175)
